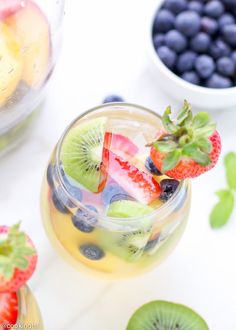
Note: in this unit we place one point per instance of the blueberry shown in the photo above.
(186, 61)
(214, 8)
(209, 25)
(83, 220)
(188, 22)
(225, 66)
(121, 197)
(226, 19)
(74, 191)
(58, 199)
(164, 21)
(113, 98)
(192, 77)
(218, 81)
(176, 41)
(168, 187)
(205, 66)
(219, 48)
(230, 3)
(176, 6)
(233, 56)
(49, 174)
(92, 251)
(112, 190)
(195, 6)
(201, 42)
(167, 55)
(151, 167)
(158, 40)
(229, 33)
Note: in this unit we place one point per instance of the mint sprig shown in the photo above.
(222, 211)
(230, 166)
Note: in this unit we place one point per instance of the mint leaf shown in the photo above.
(223, 209)
(230, 166)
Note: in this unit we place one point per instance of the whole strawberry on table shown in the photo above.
(18, 259)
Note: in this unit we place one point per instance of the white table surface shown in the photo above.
(104, 52)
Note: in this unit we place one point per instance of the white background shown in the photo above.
(105, 52)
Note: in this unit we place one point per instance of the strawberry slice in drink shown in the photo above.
(140, 185)
(122, 145)
(9, 7)
(8, 309)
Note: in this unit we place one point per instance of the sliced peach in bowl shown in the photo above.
(11, 63)
(32, 28)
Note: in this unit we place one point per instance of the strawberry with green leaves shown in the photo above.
(8, 309)
(187, 146)
(18, 258)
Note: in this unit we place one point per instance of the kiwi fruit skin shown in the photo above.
(164, 315)
(82, 151)
(128, 245)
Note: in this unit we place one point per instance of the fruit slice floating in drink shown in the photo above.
(25, 46)
(31, 27)
(11, 64)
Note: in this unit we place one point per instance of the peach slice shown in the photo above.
(11, 63)
(9, 7)
(32, 28)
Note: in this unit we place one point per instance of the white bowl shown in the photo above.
(179, 89)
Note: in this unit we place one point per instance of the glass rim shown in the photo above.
(20, 302)
(104, 219)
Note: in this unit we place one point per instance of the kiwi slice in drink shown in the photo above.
(82, 153)
(128, 209)
(128, 244)
(163, 315)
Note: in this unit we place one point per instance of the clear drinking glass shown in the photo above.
(30, 37)
(117, 240)
(29, 316)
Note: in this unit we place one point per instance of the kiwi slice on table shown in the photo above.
(82, 152)
(163, 315)
(128, 244)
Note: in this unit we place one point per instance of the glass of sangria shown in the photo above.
(106, 205)
(18, 307)
(30, 34)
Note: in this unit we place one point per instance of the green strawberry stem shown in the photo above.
(14, 251)
(187, 136)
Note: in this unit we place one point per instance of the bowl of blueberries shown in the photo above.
(193, 48)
